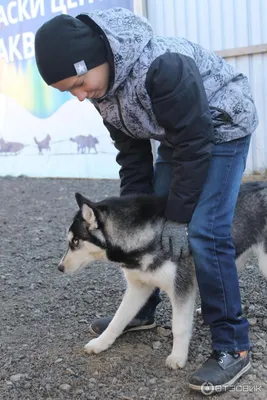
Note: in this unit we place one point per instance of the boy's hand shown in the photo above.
(175, 239)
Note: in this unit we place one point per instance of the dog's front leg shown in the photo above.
(182, 321)
(134, 298)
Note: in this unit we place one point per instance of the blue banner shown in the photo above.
(44, 132)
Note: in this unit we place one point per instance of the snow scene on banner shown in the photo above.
(43, 132)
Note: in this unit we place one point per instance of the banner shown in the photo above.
(43, 132)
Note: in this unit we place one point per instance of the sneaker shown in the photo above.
(219, 372)
(98, 326)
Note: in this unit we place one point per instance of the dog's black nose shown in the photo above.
(61, 267)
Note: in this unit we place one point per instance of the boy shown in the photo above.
(202, 112)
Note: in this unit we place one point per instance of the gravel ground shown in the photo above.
(45, 315)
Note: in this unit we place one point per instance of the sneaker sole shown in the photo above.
(227, 385)
(135, 328)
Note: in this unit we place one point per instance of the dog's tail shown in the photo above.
(36, 141)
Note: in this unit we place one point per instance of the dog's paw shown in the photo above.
(174, 362)
(95, 346)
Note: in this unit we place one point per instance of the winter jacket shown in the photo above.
(173, 91)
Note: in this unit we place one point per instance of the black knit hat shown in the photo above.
(66, 46)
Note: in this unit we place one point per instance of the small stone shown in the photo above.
(43, 382)
(152, 381)
(256, 363)
(255, 348)
(126, 398)
(17, 377)
(70, 371)
(257, 356)
(142, 389)
(262, 344)
(126, 371)
(236, 395)
(92, 380)
(258, 373)
(9, 383)
(68, 336)
(65, 387)
(265, 323)
(252, 321)
(27, 385)
(156, 345)
(164, 332)
(251, 309)
(58, 360)
(79, 392)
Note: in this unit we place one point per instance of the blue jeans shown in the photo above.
(211, 242)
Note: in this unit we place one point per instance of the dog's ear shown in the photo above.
(87, 211)
(89, 217)
(80, 199)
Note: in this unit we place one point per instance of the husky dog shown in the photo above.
(128, 230)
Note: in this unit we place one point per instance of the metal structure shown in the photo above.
(235, 29)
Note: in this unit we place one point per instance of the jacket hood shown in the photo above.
(126, 36)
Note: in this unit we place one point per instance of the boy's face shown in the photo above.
(91, 85)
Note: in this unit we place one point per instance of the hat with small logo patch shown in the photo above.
(65, 47)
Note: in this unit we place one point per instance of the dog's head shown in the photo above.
(120, 229)
(86, 242)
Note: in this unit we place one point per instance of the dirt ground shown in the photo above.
(44, 315)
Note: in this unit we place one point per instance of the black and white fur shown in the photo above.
(128, 230)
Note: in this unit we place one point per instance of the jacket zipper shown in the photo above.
(122, 121)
